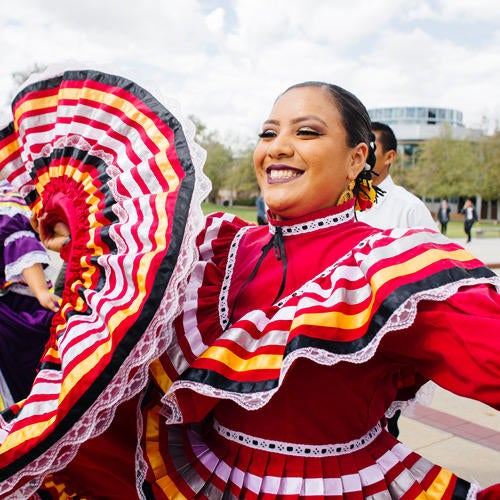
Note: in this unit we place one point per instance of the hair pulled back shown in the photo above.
(355, 118)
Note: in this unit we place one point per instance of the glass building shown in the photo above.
(412, 125)
(417, 115)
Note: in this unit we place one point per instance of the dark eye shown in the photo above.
(308, 131)
(267, 133)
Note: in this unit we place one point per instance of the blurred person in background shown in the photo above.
(27, 303)
(397, 207)
(469, 210)
(443, 215)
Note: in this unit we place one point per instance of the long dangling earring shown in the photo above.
(348, 194)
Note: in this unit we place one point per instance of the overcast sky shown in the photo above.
(226, 60)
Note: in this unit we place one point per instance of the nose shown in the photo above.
(280, 147)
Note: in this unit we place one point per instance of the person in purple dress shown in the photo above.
(27, 304)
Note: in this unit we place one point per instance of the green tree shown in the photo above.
(446, 167)
(242, 178)
(489, 153)
(219, 158)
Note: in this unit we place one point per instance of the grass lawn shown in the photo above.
(455, 228)
(246, 213)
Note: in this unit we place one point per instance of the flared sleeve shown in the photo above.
(341, 315)
(200, 325)
(20, 245)
(455, 343)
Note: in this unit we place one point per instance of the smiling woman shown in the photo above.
(306, 159)
(289, 345)
(294, 358)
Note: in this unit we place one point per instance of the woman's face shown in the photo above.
(302, 161)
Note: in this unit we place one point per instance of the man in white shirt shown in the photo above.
(397, 207)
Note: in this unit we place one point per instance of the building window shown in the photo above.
(416, 115)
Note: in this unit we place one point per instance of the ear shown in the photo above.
(358, 160)
(389, 157)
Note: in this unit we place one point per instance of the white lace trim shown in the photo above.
(19, 234)
(424, 396)
(401, 319)
(13, 210)
(14, 270)
(79, 142)
(133, 375)
(228, 275)
(314, 225)
(141, 466)
(474, 489)
(294, 229)
(296, 449)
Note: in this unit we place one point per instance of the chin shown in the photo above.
(283, 212)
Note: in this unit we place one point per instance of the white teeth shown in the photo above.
(283, 174)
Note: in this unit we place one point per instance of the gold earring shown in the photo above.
(348, 194)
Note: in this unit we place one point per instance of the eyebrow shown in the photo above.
(298, 120)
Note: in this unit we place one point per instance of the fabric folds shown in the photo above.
(341, 314)
(102, 154)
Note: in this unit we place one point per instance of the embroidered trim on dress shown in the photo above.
(424, 396)
(314, 225)
(14, 270)
(296, 449)
(402, 318)
(224, 291)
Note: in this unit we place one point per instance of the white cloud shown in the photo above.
(470, 11)
(215, 20)
(419, 11)
(225, 61)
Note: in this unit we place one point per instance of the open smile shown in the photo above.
(282, 173)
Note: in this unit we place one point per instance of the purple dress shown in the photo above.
(24, 323)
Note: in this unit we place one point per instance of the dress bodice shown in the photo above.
(319, 404)
(347, 287)
(310, 245)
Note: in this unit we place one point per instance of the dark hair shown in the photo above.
(386, 138)
(355, 118)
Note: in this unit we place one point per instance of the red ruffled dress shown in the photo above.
(285, 397)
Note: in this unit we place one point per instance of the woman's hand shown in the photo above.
(49, 300)
(54, 237)
(58, 238)
(35, 279)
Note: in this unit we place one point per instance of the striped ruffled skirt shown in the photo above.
(222, 463)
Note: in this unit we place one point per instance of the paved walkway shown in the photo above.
(486, 249)
(455, 432)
